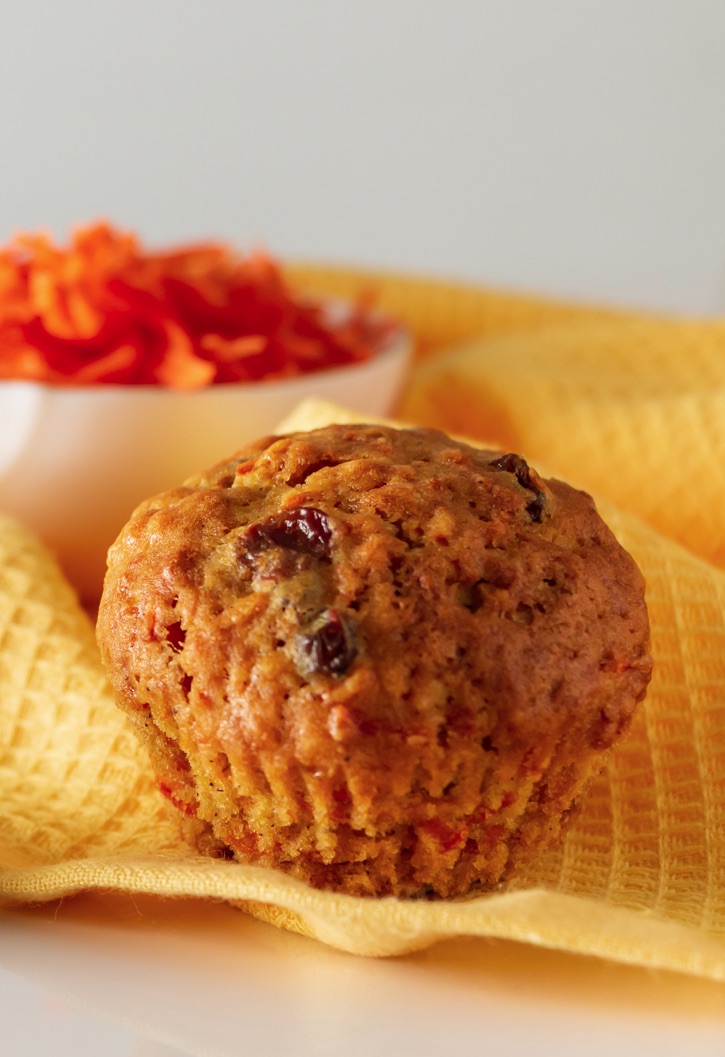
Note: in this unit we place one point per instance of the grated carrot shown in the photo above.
(104, 310)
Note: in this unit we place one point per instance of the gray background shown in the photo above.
(567, 146)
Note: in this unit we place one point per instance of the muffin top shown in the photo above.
(373, 603)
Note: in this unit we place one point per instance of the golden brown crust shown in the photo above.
(380, 660)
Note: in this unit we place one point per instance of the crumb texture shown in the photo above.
(379, 660)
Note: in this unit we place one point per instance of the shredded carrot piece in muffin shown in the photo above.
(104, 310)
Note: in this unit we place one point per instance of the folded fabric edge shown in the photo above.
(400, 285)
(389, 927)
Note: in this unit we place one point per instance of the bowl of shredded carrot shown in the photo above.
(123, 370)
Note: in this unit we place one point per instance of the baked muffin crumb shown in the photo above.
(380, 660)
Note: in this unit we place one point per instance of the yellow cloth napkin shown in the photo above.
(631, 406)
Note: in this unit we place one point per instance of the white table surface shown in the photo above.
(135, 977)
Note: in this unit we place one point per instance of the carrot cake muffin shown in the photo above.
(379, 660)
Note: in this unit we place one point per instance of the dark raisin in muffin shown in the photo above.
(379, 660)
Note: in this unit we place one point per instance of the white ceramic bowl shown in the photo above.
(74, 462)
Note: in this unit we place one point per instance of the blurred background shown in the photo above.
(566, 147)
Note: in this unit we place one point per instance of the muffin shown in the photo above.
(379, 660)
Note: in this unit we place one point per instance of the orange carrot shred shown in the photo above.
(105, 310)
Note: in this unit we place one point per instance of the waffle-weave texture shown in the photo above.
(640, 876)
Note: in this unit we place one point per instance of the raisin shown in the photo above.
(304, 529)
(328, 648)
(527, 478)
